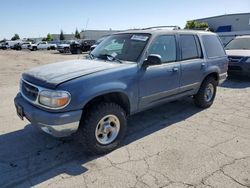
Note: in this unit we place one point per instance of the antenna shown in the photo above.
(87, 23)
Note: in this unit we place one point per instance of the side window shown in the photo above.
(189, 48)
(165, 46)
(213, 46)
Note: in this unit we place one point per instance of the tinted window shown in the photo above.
(188, 47)
(213, 46)
(165, 46)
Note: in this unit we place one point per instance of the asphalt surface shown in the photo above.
(173, 145)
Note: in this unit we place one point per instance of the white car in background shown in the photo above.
(64, 47)
(12, 43)
(25, 45)
(43, 45)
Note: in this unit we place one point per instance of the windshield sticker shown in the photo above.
(139, 37)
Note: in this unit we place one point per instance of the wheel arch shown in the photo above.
(117, 97)
(213, 72)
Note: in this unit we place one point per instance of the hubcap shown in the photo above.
(107, 129)
(209, 93)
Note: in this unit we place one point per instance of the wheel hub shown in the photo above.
(107, 129)
(209, 93)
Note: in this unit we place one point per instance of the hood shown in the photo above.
(243, 53)
(56, 73)
(63, 45)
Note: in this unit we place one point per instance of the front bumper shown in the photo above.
(58, 124)
(242, 69)
(60, 49)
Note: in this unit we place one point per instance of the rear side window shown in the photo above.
(189, 47)
(213, 46)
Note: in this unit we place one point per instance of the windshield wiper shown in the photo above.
(112, 58)
(92, 56)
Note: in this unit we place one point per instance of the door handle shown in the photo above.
(175, 69)
(203, 65)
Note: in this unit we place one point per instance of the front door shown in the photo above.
(158, 82)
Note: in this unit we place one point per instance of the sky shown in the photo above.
(37, 18)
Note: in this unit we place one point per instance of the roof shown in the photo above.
(164, 30)
(225, 15)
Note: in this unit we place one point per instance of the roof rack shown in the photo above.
(174, 27)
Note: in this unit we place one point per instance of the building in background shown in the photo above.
(229, 25)
(56, 37)
(96, 34)
(87, 34)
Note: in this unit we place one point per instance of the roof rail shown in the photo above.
(174, 27)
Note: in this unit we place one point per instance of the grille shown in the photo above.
(235, 59)
(237, 68)
(29, 91)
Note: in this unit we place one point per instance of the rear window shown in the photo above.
(213, 46)
(189, 47)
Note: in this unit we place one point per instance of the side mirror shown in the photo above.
(152, 59)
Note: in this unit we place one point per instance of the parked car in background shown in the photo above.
(64, 47)
(43, 45)
(17, 46)
(3, 46)
(127, 73)
(97, 43)
(25, 45)
(81, 46)
(11, 43)
(238, 51)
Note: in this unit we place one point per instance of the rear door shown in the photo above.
(192, 62)
(158, 82)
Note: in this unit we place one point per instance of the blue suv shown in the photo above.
(126, 73)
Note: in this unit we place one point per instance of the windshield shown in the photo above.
(238, 44)
(126, 47)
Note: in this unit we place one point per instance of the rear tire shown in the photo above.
(103, 129)
(206, 94)
(34, 49)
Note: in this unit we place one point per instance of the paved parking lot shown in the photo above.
(174, 145)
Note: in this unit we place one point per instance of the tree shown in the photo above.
(49, 37)
(15, 37)
(77, 34)
(62, 35)
(196, 25)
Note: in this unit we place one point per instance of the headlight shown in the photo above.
(54, 99)
(247, 60)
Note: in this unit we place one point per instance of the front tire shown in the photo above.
(206, 94)
(66, 50)
(103, 129)
(34, 49)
